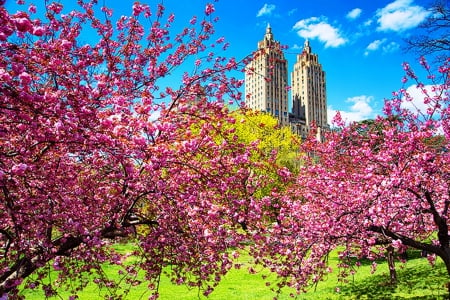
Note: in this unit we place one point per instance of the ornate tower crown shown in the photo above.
(268, 35)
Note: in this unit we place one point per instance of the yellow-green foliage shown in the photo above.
(252, 126)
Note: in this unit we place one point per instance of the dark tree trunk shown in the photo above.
(391, 264)
(445, 256)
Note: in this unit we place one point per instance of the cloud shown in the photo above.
(417, 102)
(292, 11)
(267, 9)
(391, 47)
(354, 13)
(319, 28)
(381, 44)
(368, 22)
(400, 15)
(359, 110)
(155, 115)
(375, 45)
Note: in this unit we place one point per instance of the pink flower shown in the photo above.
(23, 24)
(57, 266)
(397, 244)
(209, 9)
(137, 9)
(55, 7)
(171, 18)
(19, 169)
(38, 30)
(67, 45)
(32, 8)
(4, 76)
(25, 78)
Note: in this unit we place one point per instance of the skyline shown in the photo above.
(359, 44)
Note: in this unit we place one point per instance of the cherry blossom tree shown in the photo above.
(94, 146)
(368, 187)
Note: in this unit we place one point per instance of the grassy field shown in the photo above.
(417, 280)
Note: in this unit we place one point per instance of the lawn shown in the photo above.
(417, 280)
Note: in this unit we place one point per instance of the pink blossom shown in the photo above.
(4, 75)
(25, 78)
(32, 8)
(65, 44)
(23, 24)
(397, 244)
(137, 9)
(209, 9)
(19, 169)
(38, 30)
(171, 18)
(55, 7)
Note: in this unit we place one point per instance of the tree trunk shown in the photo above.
(391, 264)
(446, 258)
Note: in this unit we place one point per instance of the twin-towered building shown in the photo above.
(266, 86)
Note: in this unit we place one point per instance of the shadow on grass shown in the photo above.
(409, 255)
(419, 282)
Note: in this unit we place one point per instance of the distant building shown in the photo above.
(266, 79)
(308, 91)
(266, 86)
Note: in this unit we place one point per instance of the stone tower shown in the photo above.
(266, 79)
(308, 89)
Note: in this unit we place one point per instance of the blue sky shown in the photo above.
(359, 43)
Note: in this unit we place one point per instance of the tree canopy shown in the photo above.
(368, 186)
(95, 146)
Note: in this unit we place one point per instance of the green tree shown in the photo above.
(272, 139)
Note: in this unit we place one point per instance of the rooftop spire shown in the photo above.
(307, 47)
(268, 35)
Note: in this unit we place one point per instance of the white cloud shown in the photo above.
(358, 111)
(155, 115)
(421, 99)
(375, 45)
(319, 28)
(391, 47)
(400, 15)
(368, 22)
(292, 11)
(267, 9)
(417, 102)
(381, 44)
(354, 13)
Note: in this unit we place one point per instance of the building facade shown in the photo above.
(266, 79)
(308, 91)
(266, 86)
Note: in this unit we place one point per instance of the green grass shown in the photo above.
(417, 280)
